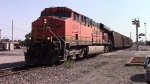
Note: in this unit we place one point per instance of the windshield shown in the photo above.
(46, 13)
(59, 14)
(62, 14)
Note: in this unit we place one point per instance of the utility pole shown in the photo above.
(145, 32)
(130, 43)
(0, 35)
(136, 22)
(130, 35)
(12, 30)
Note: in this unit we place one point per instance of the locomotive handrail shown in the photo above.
(55, 36)
(62, 39)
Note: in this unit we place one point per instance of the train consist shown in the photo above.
(60, 34)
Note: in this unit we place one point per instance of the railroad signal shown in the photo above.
(136, 22)
(141, 34)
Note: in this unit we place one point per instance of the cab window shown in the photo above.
(47, 13)
(62, 14)
(76, 17)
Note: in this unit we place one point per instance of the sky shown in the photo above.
(116, 14)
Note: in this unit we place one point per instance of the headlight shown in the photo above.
(29, 38)
(48, 38)
(45, 21)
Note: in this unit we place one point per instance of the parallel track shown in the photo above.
(18, 69)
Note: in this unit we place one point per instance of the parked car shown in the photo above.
(147, 68)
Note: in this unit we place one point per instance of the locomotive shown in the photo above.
(60, 34)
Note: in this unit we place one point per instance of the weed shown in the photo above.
(68, 63)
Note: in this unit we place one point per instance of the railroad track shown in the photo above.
(19, 69)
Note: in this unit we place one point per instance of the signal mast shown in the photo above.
(136, 22)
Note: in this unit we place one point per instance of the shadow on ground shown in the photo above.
(9, 65)
(138, 78)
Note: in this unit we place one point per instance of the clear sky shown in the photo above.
(117, 14)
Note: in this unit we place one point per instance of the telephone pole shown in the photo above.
(130, 43)
(136, 22)
(0, 35)
(145, 31)
(12, 30)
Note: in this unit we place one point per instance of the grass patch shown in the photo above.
(68, 63)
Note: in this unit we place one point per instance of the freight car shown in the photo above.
(115, 39)
(61, 33)
(119, 41)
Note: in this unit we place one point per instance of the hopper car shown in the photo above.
(60, 34)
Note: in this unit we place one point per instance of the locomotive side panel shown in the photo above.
(86, 34)
(82, 31)
(106, 34)
(77, 34)
(97, 35)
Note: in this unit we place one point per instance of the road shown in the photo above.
(11, 58)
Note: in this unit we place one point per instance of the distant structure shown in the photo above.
(6, 45)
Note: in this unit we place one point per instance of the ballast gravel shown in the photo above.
(101, 69)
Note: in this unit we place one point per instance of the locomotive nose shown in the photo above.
(47, 28)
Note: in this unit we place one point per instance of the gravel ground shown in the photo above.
(108, 68)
